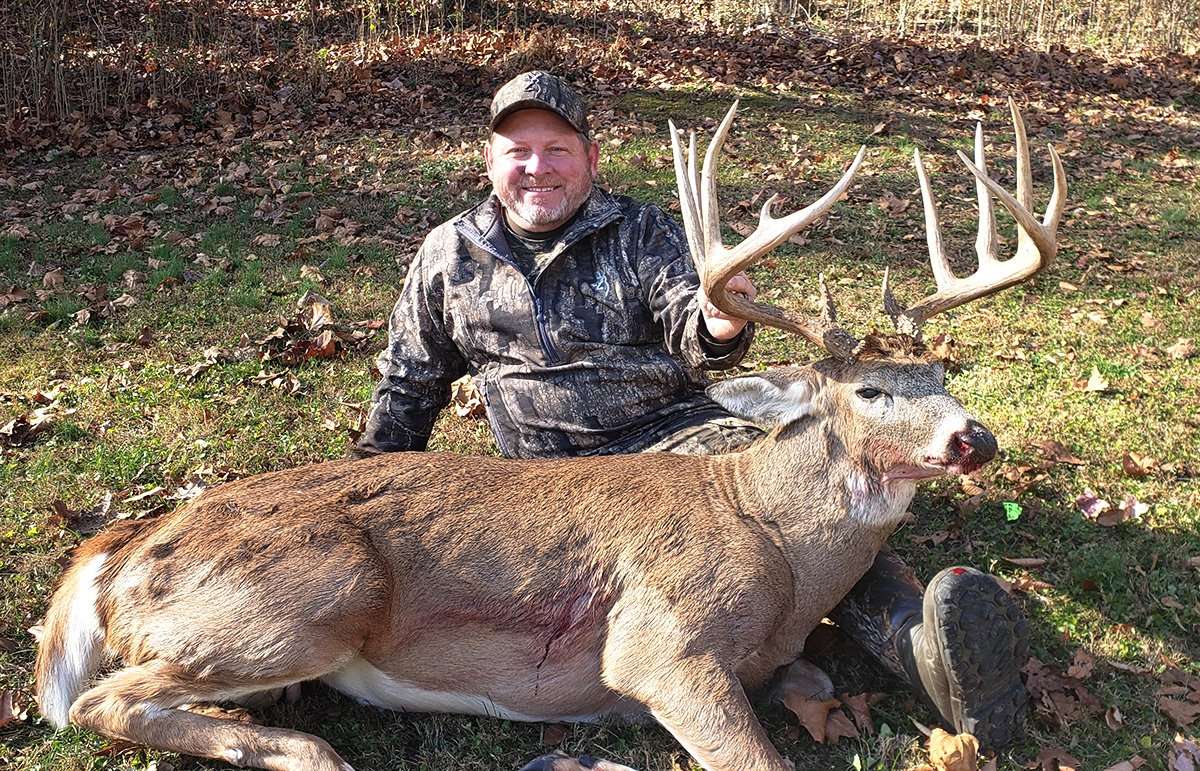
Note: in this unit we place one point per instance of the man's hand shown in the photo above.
(722, 326)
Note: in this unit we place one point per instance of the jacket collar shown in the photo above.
(482, 224)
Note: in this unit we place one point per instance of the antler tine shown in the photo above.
(1036, 241)
(709, 210)
(720, 263)
(938, 260)
(986, 244)
(687, 198)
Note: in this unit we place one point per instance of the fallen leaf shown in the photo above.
(1183, 348)
(1183, 713)
(53, 279)
(880, 128)
(1132, 508)
(6, 709)
(1096, 382)
(1185, 755)
(1057, 759)
(266, 239)
(1138, 466)
(860, 707)
(892, 205)
(312, 273)
(1065, 699)
(1082, 665)
(838, 726)
(1113, 718)
(813, 714)
(1026, 562)
(465, 398)
(1133, 764)
(950, 752)
(553, 734)
(1098, 510)
(1058, 452)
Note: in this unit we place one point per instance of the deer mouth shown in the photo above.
(929, 469)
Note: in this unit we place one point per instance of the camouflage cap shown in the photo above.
(539, 90)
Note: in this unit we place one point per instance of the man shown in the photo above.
(580, 318)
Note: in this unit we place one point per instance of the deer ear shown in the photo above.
(764, 401)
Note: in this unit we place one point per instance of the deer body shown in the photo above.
(394, 562)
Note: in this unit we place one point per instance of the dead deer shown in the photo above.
(557, 590)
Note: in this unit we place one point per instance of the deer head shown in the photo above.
(883, 397)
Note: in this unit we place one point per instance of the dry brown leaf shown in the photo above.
(1113, 718)
(1096, 382)
(53, 279)
(1138, 466)
(1058, 452)
(1057, 759)
(266, 239)
(464, 396)
(1028, 584)
(1183, 348)
(1185, 755)
(553, 734)
(1133, 764)
(1027, 562)
(951, 752)
(1182, 713)
(1082, 665)
(813, 714)
(6, 709)
(312, 273)
(838, 727)
(860, 707)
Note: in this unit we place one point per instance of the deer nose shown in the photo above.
(974, 444)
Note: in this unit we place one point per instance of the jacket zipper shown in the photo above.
(539, 315)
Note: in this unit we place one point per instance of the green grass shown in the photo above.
(138, 423)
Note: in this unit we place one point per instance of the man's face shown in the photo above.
(540, 168)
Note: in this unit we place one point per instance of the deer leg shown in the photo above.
(560, 762)
(705, 708)
(137, 704)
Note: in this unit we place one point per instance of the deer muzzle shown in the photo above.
(972, 447)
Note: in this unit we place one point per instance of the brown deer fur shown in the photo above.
(535, 590)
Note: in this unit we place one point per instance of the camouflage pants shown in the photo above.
(715, 436)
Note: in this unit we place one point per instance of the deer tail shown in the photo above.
(72, 644)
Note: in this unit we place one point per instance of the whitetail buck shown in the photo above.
(559, 590)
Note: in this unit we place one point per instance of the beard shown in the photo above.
(574, 193)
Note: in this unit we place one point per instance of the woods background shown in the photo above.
(68, 61)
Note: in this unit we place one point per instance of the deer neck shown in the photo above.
(802, 482)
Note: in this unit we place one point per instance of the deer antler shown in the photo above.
(717, 264)
(1036, 241)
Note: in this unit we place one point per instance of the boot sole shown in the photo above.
(983, 640)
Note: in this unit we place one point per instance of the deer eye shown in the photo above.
(869, 393)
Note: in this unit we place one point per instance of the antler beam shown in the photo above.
(1036, 241)
(716, 263)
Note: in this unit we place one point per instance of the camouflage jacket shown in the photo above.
(598, 350)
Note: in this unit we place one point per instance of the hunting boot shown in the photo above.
(960, 643)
